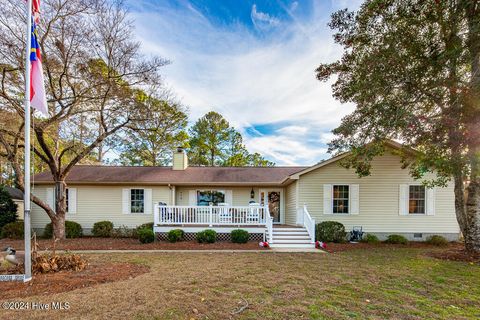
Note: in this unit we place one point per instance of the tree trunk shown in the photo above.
(472, 228)
(58, 223)
(100, 145)
(460, 202)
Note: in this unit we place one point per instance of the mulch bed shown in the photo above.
(340, 247)
(91, 243)
(97, 273)
(456, 253)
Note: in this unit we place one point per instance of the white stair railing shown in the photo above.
(269, 225)
(309, 223)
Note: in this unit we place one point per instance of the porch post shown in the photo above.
(156, 215)
(211, 215)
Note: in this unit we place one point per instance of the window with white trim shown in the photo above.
(416, 199)
(210, 197)
(137, 200)
(66, 198)
(341, 198)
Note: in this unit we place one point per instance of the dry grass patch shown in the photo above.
(382, 283)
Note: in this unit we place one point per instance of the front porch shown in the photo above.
(255, 219)
(223, 219)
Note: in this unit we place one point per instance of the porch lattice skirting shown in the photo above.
(191, 236)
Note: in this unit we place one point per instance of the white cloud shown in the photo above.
(294, 6)
(293, 130)
(263, 21)
(249, 80)
(286, 150)
(326, 137)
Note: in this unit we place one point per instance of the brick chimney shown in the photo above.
(180, 159)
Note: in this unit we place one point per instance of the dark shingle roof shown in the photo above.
(15, 193)
(86, 174)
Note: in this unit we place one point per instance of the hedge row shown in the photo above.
(333, 231)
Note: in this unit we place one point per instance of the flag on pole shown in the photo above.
(38, 99)
(36, 10)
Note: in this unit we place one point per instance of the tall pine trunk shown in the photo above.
(472, 228)
(472, 114)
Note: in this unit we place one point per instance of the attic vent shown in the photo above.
(418, 235)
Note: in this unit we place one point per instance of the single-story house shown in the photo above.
(281, 204)
(17, 197)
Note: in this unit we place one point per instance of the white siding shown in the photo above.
(72, 200)
(240, 195)
(403, 199)
(291, 204)
(327, 198)
(96, 203)
(379, 201)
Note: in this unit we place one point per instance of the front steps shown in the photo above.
(291, 237)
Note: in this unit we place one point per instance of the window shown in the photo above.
(340, 198)
(207, 197)
(137, 201)
(416, 200)
(66, 198)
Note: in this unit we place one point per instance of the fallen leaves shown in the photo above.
(53, 263)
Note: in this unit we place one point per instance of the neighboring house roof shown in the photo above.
(88, 174)
(15, 193)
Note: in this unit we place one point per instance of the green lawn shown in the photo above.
(383, 283)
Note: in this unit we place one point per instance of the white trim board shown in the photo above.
(253, 229)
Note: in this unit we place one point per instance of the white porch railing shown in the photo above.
(308, 223)
(269, 225)
(212, 216)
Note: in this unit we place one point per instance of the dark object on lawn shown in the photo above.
(206, 236)
(239, 236)
(242, 308)
(11, 256)
(330, 231)
(356, 234)
(175, 235)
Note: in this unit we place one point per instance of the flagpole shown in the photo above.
(26, 198)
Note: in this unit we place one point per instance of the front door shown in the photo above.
(274, 198)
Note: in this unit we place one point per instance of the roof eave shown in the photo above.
(150, 183)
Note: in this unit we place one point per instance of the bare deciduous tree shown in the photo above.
(93, 70)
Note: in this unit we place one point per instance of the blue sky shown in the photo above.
(254, 62)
